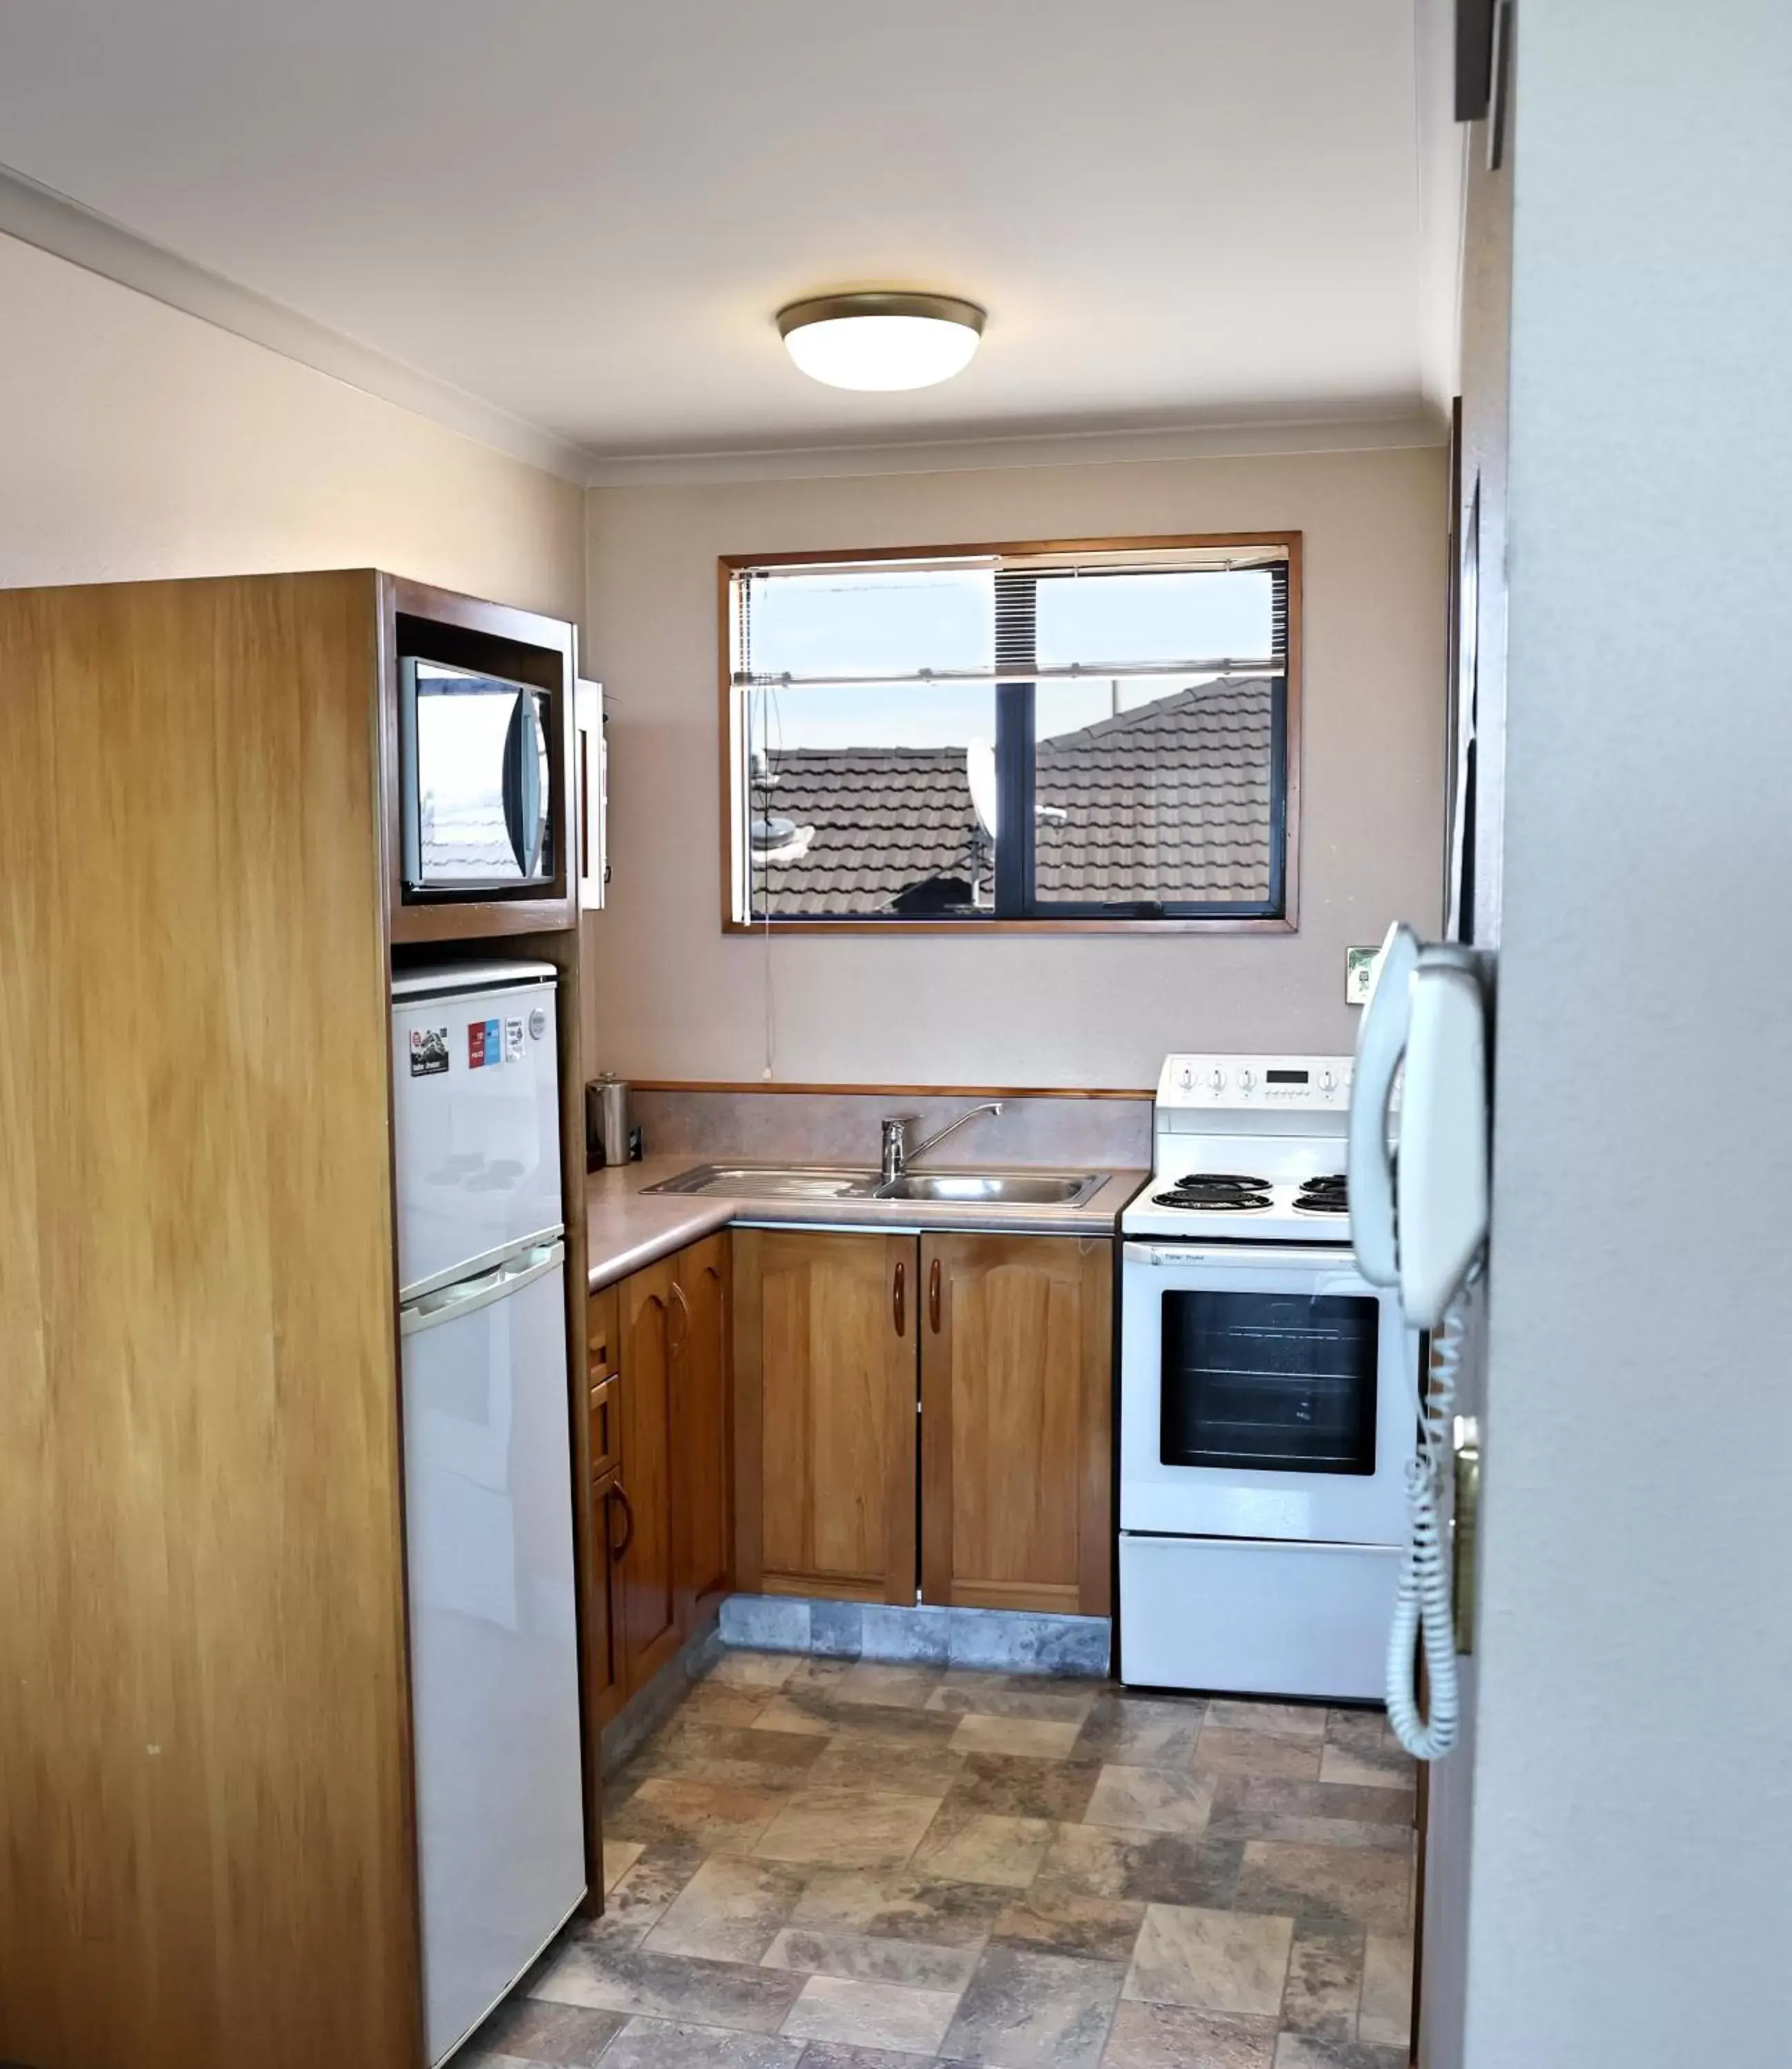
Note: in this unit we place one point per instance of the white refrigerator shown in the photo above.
(488, 1480)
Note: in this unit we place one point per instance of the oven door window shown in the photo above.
(1283, 1382)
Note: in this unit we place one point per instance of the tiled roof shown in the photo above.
(1170, 802)
(462, 837)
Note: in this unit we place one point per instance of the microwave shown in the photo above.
(476, 788)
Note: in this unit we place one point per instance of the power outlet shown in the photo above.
(1361, 967)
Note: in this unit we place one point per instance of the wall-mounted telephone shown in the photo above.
(1418, 1224)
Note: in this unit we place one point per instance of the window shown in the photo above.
(1081, 734)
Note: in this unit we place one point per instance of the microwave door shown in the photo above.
(525, 787)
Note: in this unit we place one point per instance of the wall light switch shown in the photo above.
(1362, 966)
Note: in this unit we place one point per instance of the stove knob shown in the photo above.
(1184, 1078)
(1247, 1079)
(1217, 1080)
(1327, 1081)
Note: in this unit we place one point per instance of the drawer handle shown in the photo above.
(616, 1550)
(934, 1295)
(898, 1300)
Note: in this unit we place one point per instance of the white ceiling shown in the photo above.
(1177, 212)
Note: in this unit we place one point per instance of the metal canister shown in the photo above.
(613, 1117)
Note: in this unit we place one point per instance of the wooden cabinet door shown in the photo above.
(701, 1371)
(825, 1393)
(647, 1566)
(605, 1666)
(1016, 1403)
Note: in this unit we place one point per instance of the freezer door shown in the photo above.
(494, 1657)
(477, 1106)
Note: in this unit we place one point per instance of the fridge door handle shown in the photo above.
(466, 1296)
(618, 1494)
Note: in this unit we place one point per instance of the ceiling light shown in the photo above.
(881, 341)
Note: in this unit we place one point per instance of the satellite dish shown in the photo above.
(980, 773)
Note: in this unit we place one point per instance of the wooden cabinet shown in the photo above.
(1003, 1343)
(660, 1532)
(649, 1586)
(702, 1406)
(1016, 1454)
(825, 1368)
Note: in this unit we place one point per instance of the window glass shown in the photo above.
(858, 621)
(1158, 615)
(872, 803)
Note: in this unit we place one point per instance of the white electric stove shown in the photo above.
(1268, 1395)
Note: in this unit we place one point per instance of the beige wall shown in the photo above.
(136, 441)
(669, 995)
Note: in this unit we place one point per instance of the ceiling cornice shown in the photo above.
(54, 223)
(1413, 425)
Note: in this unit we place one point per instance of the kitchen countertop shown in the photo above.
(627, 1227)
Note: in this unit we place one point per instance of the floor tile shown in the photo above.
(1346, 1886)
(1304, 2050)
(1149, 1799)
(1161, 2036)
(1223, 1961)
(731, 1910)
(1220, 1750)
(1365, 1729)
(1025, 1788)
(665, 1986)
(1325, 1982)
(1036, 1736)
(872, 2015)
(837, 2054)
(733, 1756)
(1312, 1813)
(640, 1898)
(1288, 1720)
(711, 1813)
(818, 1712)
(846, 1762)
(753, 1670)
(1139, 1731)
(845, 1828)
(1386, 2016)
(528, 2030)
(1146, 1867)
(976, 1845)
(1024, 2009)
(619, 1856)
(653, 2043)
(895, 1686)
(1062, 1921)
(900, 1905)
(917, 1965)
(1379, 1767)
(966, 1690)
(721, 1703)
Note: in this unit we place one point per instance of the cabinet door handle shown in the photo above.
(933, 1296)
(897, 1301)
(616, 1494)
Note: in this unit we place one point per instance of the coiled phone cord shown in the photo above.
(1423, 1603)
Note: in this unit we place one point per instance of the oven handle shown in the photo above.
(1296, 1256)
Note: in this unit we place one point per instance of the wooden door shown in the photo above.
(1016, 1410)
(702, 1411)
(605, 1668)
(648, 1562)
(825, 1396)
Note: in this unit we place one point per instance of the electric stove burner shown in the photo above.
(1329, 1195)
(1213, 1196)
(1215, 1180)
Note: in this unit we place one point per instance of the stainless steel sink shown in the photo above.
(773, 1182)
(826, 1181)
(1012, 1189)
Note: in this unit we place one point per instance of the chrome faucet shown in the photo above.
(898, 1156)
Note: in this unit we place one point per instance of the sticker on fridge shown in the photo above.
(476, 1045)
(513, 1041)
(429, 1051)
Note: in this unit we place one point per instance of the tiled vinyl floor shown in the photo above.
(843, 1865)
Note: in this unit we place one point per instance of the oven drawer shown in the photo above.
(1256, 1617)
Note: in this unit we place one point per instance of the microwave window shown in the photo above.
(1281, 1382)
(476, 781)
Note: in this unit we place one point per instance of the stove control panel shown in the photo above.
(1238, 1083)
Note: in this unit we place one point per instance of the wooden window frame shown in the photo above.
(1287, 921)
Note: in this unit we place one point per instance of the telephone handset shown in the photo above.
(1419, 1223)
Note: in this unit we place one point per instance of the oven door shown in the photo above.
(476, 787)
(1264, 1392)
